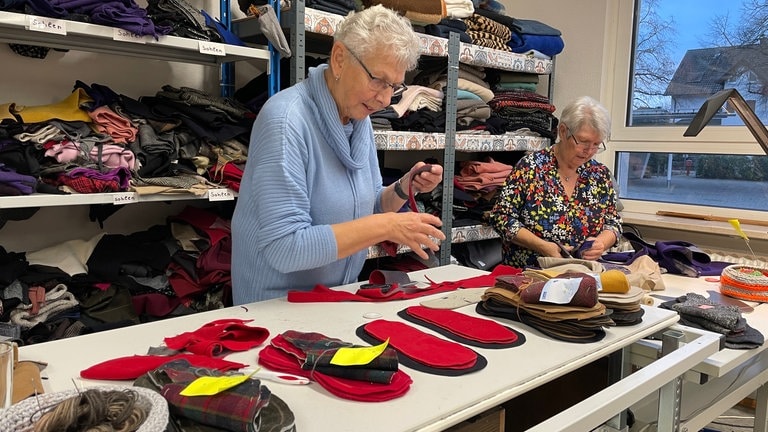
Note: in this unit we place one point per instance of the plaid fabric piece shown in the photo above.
(316, 351)
(236, 409)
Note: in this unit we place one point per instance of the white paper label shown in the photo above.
(559, 291)
(46, 25)
(212, 48)
(124, 198)
(119, 34)
(220, 195)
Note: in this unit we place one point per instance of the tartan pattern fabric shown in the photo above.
(316, 350)
(235, 409)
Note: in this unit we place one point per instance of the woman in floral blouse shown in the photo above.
(561, 196)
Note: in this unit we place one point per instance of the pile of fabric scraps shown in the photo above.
(422, 351)
(247, 406)
(310, 354)
(697, 311)
(565, 307)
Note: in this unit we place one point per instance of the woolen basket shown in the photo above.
(745, 282)
(21, 416)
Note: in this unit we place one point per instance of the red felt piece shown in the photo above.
(422, 347)
(132, 367)
(466, 326)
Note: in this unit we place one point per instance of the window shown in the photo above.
(683, 51)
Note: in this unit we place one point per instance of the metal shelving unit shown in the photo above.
(311, 30)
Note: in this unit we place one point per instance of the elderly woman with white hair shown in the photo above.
(560, 201)
(311, 200)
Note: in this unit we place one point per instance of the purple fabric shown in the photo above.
(47, 9)
(132, 19)
(23, 183)
(676, 256)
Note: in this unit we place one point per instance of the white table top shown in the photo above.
(433, 403)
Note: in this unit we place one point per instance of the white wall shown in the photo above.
(579, 68)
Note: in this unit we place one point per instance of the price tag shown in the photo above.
(119, 34)
(46, 25)
(125, 198)
(220, 195)
(211, 48)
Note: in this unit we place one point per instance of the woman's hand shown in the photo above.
(424, 179)
(415, 230)
(595, 251)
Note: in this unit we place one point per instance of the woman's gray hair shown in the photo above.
(586, 111)
(377, 30)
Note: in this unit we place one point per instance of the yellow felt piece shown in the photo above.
(357, 356)
(209, 386)
(614, 281)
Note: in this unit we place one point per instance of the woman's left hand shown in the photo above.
(426, 180)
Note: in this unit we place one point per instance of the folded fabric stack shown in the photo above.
(421, 12)
(523, 109)
(248, 406)
(309, 355)
(614, 291)
(697, 311)
(625, 307)
(488, 33)
(579, 317)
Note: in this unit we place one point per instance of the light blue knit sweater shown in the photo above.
(305, 172)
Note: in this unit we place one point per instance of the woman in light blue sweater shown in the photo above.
(311, 199)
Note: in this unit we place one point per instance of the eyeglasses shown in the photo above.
(597, 148)
(379, 84)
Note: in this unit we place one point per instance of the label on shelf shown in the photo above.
(119, 34)
(46, 25)
(221, 195)
(211, 48)
(120, 198)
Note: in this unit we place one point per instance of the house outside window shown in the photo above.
(683, 52)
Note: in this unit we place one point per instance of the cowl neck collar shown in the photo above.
(353, 153)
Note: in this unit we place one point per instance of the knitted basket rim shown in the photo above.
(735, 282)
(17, 416)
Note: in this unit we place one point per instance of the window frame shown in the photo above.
(732, 140)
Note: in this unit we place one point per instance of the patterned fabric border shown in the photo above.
(391, 140)
(317, 21)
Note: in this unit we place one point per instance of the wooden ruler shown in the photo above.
(711, 218)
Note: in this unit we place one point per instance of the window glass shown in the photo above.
(687, 50)
(683, 52)
(699, 179)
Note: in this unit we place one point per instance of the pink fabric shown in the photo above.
(113, 156)
(64, 151)
(109, 122)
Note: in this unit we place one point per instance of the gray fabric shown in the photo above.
(271, 29)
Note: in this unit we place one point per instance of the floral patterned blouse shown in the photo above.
(533, 197)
